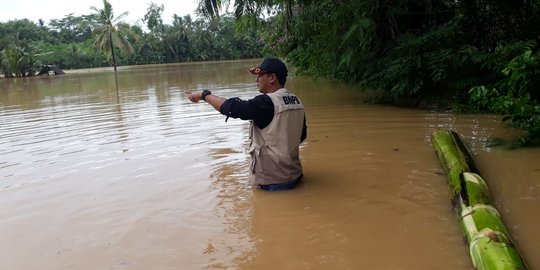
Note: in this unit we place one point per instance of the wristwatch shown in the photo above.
(205, 93)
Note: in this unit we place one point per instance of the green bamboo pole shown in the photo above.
(490, 244)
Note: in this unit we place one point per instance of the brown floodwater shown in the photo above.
(139, 178)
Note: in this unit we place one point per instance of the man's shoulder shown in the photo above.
(262, 99)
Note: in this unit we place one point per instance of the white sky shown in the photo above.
(58, 9)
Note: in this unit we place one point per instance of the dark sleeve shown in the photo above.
(260, 109)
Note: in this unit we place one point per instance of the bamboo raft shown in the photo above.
(490, 244)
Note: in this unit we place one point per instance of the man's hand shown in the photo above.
(194, 96)
(212, 99)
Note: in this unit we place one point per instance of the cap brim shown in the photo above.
(254, 70)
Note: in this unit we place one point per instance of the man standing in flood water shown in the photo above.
(278, 125)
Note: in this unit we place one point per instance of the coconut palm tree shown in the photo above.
(111, 32)
(249, 10)
(210, 8)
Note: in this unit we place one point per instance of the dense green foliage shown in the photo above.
(480, 54)
(84, 41)
(514, 90)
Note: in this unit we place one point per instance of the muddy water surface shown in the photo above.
(139, 178)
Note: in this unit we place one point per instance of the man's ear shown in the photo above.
(273, 78)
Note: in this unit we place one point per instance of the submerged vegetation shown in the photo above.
(474, 55)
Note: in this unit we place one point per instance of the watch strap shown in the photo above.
(205, 93)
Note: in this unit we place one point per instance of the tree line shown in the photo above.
(102, 39)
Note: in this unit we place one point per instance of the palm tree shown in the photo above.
(211, 8)
(110, 32)
(247, 12)
(177, 37)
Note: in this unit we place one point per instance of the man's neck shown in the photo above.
(275, 88)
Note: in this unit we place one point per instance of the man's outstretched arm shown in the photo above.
(211, 99)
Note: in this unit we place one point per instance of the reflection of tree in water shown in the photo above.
(478, 131)
(120, 125)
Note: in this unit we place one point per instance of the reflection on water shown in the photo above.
(92, 178)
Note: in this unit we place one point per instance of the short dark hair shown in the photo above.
(281, 78)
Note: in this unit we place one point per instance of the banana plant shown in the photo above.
(15, 61)
(491, 246)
